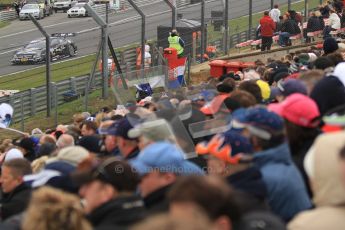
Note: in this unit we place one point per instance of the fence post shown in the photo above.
(53, 86)
(142, 34)
(173, 12)
(193, 50)
(289, 5)
(272, 4)
(160, 61)
(202, 31)
(104, 28)
(56, 103)
(128, 71)
(90, 82)
(189, 66)
(47, 38)
(33, 101)
(250, 19)
(122, 57)
(306, 10)
(11, 100)
(21, 113)
(73, 84)
(226, 26)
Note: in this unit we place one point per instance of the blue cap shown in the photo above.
(118, 128)
(164, 157)
(259, 121)
(238, 143)
(289, 87)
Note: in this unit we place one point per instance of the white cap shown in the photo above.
(13, 154)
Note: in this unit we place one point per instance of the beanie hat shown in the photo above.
(265, 89)
(330, 45)
(323, 63)
(328, 93)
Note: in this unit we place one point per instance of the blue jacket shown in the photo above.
(287, 194)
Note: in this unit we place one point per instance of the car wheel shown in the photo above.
(70, 50)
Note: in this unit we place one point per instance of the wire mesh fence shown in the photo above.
(124, 31)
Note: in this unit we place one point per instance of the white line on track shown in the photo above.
(26, 31)
(9, 51)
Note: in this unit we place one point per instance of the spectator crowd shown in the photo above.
(327, 18)
(259, 148)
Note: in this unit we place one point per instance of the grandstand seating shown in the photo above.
(243, 44)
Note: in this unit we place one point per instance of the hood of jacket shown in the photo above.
(339, 72)
(270, 155)
(327, 185)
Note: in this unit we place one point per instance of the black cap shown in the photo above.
(92, 143)
(111, 171)
(26, 143)
(262, 221)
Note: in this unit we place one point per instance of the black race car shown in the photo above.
(35, 52)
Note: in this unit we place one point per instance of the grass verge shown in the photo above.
(4, 23)
(36, 77)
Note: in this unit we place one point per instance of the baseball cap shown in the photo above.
(26, 143)
(298, 109)
(157, 130)
(164, 157)
(118, 128)
(13, 154)
(229, 147)
(289, 87)
(259, 122)
(111, 171)
(92, 143)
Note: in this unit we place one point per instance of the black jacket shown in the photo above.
(156, 202)
(291, 27)
(15, 202)
(119, 213)
(314, 24)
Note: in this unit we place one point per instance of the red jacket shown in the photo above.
(268, 26)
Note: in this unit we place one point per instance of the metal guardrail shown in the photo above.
(8, 15)
(29, 102)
